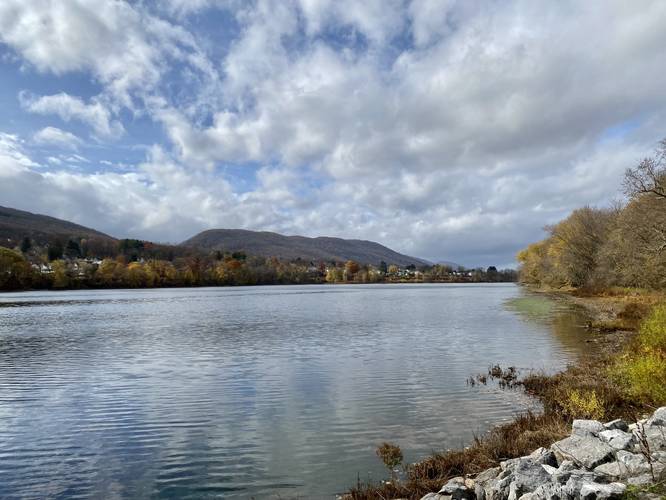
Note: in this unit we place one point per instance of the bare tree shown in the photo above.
(649, 176)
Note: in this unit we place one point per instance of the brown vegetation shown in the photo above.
(600, 248)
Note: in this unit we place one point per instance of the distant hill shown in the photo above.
(267, 244)
(41, 229)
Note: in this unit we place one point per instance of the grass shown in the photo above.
(641, 370)
(624, 383)
(517, 438)
(638, 492)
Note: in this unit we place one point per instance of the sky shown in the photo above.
(448, 130)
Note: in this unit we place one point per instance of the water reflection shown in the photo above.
(245, 392)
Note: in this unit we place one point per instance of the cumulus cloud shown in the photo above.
(68, 108)
(56, 137)
(450, 130)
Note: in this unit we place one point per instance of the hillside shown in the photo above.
(325, 249)
(41, 229)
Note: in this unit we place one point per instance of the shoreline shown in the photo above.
(614, 318)
(324, 283)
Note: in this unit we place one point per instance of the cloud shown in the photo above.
(450, 130)
(56, 137)
(67, 107)
(124, 48)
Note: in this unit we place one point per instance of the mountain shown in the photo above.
(42, 229)
(267, 244)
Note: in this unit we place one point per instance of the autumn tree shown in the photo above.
(351, 268)
(15, 271)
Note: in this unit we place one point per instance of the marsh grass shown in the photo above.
(517, 438)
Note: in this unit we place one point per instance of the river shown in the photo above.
(277, 391)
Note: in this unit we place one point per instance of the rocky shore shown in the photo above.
(598, 461)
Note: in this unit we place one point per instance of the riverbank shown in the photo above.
(596, 387)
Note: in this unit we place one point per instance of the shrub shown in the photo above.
(642, 370)
(390, 454)
(583, 404)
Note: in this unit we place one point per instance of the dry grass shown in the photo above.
(517, 438)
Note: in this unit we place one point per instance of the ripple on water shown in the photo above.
(193, 393)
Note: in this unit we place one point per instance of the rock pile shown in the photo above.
(596, 462)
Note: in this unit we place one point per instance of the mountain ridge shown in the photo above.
(43, 230)
(17, 224)
(319, 248)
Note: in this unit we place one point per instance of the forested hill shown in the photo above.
(15, 225)
(267, 244)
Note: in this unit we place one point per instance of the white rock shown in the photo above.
(632, 463)
(549, 469)
(586, 427)
(596, 491)
(618, 439)
(658, 417)
(587, 451)
(617, 424)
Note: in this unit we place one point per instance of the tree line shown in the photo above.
(624, 245)
(141, 264)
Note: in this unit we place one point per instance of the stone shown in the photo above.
(543, 456)
(642, 480)
(549, 469)
(632, 464)
(480, 492)
(618, 439)
(548, 491)
(610, 471)
(457, 489)
(618, 424)
(564, 471)
(435, 496)
(487, 475)
(527, 477)
(658, 418)
(587, 451)
(586, 427)
(498, 489)
(575, 482)
(596, 491)
(656, 436)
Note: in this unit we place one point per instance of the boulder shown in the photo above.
(549, 469)
(642, 480)
(576, 481)
(435, 496)
(458, 488)
(655, 434)
(596, 491)
(548, 491)
(564, 471)
(487, 475)
(526, 478)
(618, 439)
(498, 489)
(632, 464)
(611, 471)
(618, 424)
(586, 428)
(543, 456)
(658, 418)
(587, 451)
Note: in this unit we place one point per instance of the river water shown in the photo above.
(280, 391)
